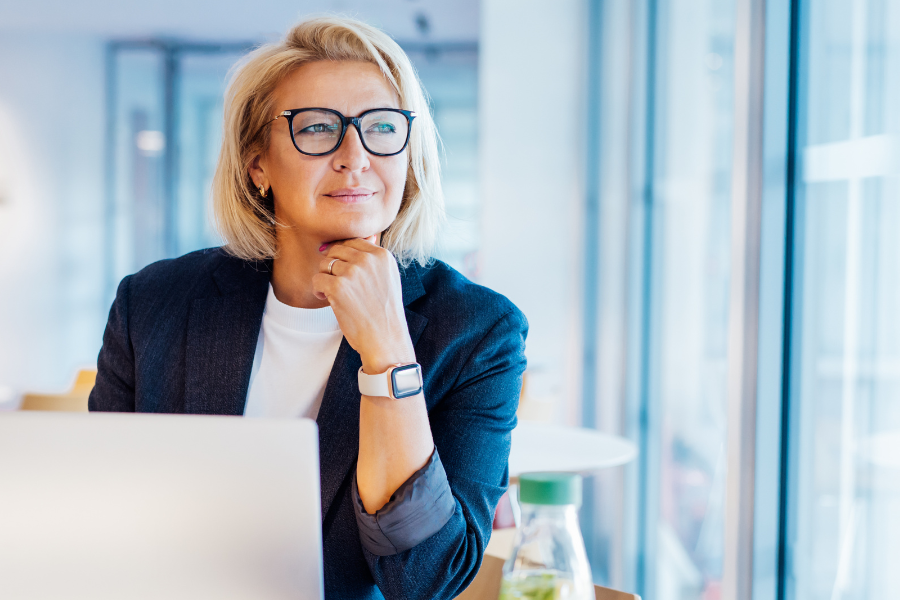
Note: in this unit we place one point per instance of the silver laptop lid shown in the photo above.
(125, 506)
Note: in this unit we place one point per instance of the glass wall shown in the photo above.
(199, 110)
(135, 212)
(449, 74)
(845, 394)
(667, 96)
(688, 245)
(164, 133)
(663, 243)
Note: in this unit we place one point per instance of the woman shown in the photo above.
(324, 303)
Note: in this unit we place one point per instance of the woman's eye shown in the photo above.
(319, 128)
(381, 128)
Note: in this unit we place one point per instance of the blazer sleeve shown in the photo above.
(419, 508)
(471, 426)
(114, 389)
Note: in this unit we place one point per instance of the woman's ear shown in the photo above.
(258, 173)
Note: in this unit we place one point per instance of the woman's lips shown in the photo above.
(351, 195)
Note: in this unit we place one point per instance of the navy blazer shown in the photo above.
(181, 338)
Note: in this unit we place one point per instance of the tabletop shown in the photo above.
(550, 447)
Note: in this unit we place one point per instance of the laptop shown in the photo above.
(105, 506)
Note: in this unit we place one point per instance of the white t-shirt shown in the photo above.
(294, 355)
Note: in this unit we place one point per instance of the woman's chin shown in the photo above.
(354, 230)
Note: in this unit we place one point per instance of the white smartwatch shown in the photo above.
(400, 381)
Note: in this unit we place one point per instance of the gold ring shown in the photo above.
(331, 266)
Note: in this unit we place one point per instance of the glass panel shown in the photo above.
(450, 76)
(138, 215)
(666, 102)
(845, 493)
(663, 272)
(162, 187)
(689, 249)
(610, 513)
(200, 89)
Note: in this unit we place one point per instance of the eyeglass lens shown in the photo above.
(319, 131)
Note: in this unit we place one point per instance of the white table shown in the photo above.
(556, 448)
(549, 447)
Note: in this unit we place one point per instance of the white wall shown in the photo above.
(51, 198)
(532, 91)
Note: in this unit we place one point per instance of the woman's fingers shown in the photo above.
(336, 257)
(351, 252)
(344, 253)
(325, 286)
(366, 245)
(331, 265)
(340, 250)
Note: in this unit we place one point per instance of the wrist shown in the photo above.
(382, 359)
(399, 382)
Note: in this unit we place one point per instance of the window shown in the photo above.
(826, 522)
(164, 134)
(666, 96)
(845, 401)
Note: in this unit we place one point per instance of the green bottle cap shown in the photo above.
(550, 488)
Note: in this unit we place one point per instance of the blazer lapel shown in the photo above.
(338, 422)
(338, 418)
(221, 339)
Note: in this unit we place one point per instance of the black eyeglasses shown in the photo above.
(320, 131)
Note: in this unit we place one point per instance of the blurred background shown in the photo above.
(612, 230)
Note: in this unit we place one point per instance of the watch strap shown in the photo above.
(380, 384)
(375, 385)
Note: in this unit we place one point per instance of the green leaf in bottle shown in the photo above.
(529, 586)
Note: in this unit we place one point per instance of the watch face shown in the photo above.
(406, 381)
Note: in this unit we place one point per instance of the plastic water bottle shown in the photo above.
(548, 561)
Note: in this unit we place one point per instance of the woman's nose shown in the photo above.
(351, 155)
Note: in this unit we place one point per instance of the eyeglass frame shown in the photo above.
(345, 124)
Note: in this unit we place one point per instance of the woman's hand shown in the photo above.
(364, 291)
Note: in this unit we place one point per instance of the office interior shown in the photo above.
(694, 203)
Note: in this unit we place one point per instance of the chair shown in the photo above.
(75, 400)
(487, 584)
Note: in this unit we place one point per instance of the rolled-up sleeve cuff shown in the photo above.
(419, 508)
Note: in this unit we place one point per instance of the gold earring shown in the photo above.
(262, 191)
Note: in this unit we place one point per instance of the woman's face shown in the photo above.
(349, 193)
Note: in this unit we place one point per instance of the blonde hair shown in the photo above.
(244, 219)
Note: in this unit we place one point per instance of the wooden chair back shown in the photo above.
(487, 584)
(75, 400)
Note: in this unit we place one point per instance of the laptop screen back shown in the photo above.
(112, 506)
